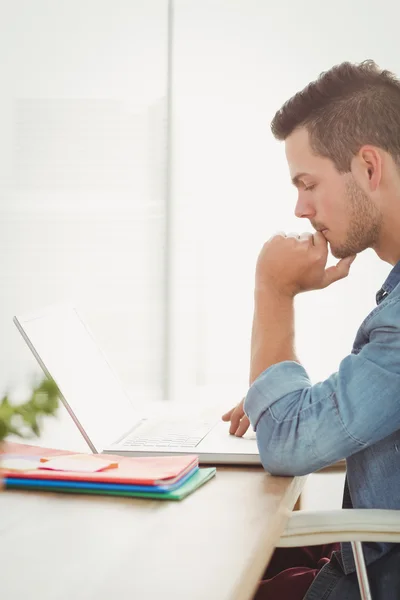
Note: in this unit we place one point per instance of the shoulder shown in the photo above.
(386, 313)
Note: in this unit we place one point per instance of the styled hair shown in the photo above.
(345, 108)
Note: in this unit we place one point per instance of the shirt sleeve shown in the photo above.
(301, 427)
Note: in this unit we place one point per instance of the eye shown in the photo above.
(309, 188)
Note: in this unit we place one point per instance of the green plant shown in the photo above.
(22, 419)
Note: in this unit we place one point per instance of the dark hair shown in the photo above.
(346, 107)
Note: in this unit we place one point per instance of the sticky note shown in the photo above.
(19, 463)
(78, 463)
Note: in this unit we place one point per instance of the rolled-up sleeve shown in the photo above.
(301, 427)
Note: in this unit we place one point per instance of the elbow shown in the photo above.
(278, 466)
(281, 452)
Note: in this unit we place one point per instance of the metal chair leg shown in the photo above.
(361, 571)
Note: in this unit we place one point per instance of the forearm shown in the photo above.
(272, 339)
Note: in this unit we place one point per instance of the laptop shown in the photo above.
(109, 421)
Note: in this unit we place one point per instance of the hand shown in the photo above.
(296, 263)
(239, 421)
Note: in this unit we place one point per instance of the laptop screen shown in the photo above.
(92, 392)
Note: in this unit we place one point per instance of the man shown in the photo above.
(342, 140)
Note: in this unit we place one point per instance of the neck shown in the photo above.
(388, 246)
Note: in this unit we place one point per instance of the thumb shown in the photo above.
(339, 271)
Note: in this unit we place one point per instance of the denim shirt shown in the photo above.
(352, 415)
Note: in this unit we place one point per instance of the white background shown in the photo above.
(82, 175)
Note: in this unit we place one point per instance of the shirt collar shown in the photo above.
(390, 283)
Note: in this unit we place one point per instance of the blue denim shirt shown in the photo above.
(354, 414)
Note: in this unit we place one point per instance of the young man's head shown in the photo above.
(342, 137)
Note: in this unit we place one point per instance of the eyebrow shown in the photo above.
(296, 178)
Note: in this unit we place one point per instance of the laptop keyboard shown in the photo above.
(166, 434)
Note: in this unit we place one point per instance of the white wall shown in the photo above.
(82, 116)
(82, 174)
(235, 63)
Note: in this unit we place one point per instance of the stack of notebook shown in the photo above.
(165, 478)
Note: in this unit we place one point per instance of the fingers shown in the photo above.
(243, 426)
(319, 240)
(338, 271)
(306, 236)
(277, 234)
(236, 417)
(227, 416)
(239, 420)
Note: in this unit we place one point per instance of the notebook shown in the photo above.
(134, 470)
(34, 468)
(200, 477)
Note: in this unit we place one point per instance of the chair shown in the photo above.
(311, 528)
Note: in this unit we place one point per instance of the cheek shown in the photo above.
(327, 204)
(335, 215)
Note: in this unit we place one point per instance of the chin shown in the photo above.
(337, 253)
(341, 252)
(345, 252)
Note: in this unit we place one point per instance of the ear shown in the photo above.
(367, 168)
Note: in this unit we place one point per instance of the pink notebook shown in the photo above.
(33, 462)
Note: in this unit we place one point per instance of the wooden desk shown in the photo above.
(214, 545)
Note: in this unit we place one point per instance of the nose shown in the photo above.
(304, 207)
